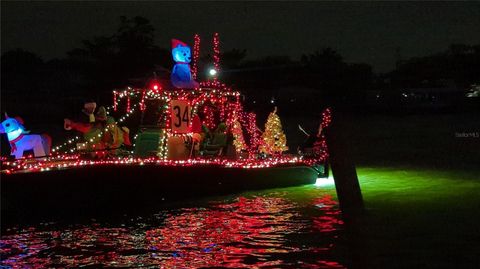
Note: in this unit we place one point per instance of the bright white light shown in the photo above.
(212, 72)
(321, 181)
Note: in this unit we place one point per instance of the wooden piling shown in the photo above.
(343, 168)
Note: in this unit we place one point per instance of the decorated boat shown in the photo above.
(190, 138)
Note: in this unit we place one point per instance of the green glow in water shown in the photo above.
(415, 217)
(418, 187)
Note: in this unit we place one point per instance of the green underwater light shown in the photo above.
(322, 181)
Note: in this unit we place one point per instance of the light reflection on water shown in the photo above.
(246, 232)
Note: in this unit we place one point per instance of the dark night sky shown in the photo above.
(361, 31)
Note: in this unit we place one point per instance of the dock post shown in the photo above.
(343, 169)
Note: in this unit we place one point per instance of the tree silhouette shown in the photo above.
(327, 58)
(21, 72)
(20, 61)
(459, 63)
(112, 61)
(233, 58)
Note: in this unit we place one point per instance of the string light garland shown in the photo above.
(162, 144)
(209, 116)
(72, 161)
(142, 101)
(320, 147)
(128, 104)
(115, 104)
(216, 54)
(253, 132)
(326, 117)
(196, 55)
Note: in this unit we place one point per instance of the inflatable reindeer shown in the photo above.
(20, 141)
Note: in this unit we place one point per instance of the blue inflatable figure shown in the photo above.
(20, 141)
(181, 76)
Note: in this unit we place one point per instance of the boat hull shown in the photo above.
(134, 187)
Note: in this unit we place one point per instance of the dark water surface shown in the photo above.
(299, 227)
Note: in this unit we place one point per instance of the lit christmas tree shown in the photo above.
(273, 139)
(238, 140)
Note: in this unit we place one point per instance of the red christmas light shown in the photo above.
(155, 85)
(115, 101)
(320, 147)
(216, 53)
(196, 54)
(142, 101)
(252, 131)
(209, 117)
(326, 117)
(66, 161)
(128, 104)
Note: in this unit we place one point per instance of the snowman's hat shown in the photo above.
(176, 43)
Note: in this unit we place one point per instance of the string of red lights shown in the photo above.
(216, 53)
(73, 160)
(196, 55)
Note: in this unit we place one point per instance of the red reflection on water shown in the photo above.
(228, 234)
(247, 233)
(331, 219)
